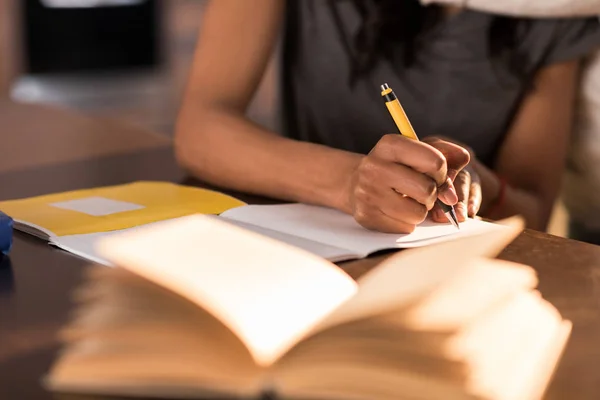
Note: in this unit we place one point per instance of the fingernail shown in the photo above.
(450, 196)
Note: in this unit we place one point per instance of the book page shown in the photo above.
(328, 252)
(130, 336)
(268, 293)
(334, 228)
(513, 348)
(509, 353)
(487, 281)
(84, 246)
(406, 276)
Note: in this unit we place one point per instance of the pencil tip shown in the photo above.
(385, 86)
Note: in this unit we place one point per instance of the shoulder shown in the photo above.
(551, 41)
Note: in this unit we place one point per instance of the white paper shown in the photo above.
(97, 206)
(334, 228)
(331, 253)
(83, 246)
(324, 232)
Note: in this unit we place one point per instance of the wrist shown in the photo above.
(498, 201)
(339, 195)
(494, 194)
(490, 186)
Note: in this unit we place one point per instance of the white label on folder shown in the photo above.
(97, 206)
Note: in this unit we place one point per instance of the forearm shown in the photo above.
(228, 150)
(516, 201)
(528, 8)
(528, 205)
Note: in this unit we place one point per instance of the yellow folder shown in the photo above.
(113, 208)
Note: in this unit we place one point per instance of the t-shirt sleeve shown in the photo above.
(572, 39)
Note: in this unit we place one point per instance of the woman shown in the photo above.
(503, 88)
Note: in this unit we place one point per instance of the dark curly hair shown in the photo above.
(394, 27)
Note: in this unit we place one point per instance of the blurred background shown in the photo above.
(121, 59)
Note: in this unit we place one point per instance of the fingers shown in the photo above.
(463, 189)
(475, 196)
(417, 155)
(468, 187)
(422, 158)
(376, 176)
(437, 215)
(393, 213)
(447, 192)
(457, 157)
(377, 221)
(377, 203)
(401, 179)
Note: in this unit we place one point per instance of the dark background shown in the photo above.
(97, 38)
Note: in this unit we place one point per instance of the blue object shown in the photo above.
(6, 233)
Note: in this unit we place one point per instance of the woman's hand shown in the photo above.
(394, 187)
(468, 189)
(467, 183)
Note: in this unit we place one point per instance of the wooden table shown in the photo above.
(35, 285)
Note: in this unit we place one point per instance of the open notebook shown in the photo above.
(198, 308)
(75, 221)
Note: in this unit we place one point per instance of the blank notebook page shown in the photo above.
(337, 229)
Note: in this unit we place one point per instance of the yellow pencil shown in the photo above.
(406, 129)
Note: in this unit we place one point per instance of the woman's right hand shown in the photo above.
(397, 183)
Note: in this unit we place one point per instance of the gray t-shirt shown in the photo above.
(453, 89)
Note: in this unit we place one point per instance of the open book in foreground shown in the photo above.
(201, 308)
